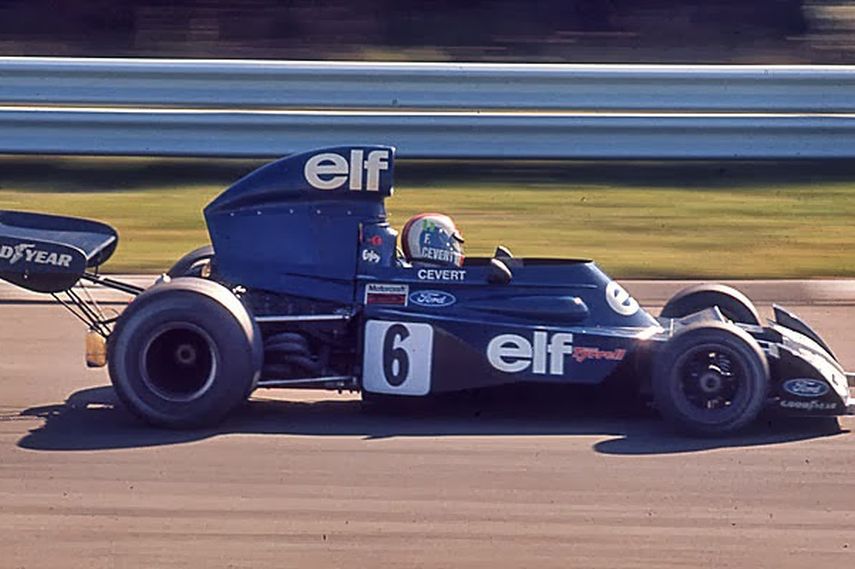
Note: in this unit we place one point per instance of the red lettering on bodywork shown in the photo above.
(583, 353)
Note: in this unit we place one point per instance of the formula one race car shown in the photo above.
(304, 286)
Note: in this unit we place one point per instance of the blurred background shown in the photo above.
(624, 31)
(710, 219)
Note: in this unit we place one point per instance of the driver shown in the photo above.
(432, 239)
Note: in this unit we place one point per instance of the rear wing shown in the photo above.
(50, 253)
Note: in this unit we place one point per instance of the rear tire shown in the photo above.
(733, 305)
(184, 354)
(193, 264)
(711, 379)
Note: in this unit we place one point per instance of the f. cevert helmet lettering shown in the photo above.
(432, 239)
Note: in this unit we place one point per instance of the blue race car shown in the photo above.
(304, 286)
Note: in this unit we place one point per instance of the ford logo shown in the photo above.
(805, 387)
(432, 298)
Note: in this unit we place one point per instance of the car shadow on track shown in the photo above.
(93, 419)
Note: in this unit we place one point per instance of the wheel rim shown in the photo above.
(179, 362)
(712, 381)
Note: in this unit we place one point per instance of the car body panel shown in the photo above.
(49, 253)
(305, 243)
(554, 315)
(275, 230)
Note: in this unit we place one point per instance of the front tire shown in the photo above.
(711, 379)
(733, 305)
(184, 354)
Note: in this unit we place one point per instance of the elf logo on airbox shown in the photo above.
(329, 171)
(29, 254)
(512, 353)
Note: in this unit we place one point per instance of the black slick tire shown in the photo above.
(191, 264)
(184, 354)
(710, 379)
(733, 305)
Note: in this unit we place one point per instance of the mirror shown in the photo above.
(503, 252)
(499, 273)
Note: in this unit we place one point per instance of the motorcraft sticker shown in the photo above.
(387, 294)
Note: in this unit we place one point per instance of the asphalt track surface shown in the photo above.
(308, 479)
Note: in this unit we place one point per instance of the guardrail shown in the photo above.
(231, 84)
(474, 135)
(428, 110)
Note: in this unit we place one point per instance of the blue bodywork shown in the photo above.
(273, 230)
(305, 243)
(545, 296)
(312, 228)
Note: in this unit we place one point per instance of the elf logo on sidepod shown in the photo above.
(512, 353)
(29, 254)
(329, 171)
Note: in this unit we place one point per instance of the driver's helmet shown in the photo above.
(432, 238)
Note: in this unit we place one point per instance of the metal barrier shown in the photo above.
(419, 135)
(445, 86)
(428, 110)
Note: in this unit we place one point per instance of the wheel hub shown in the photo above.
(185, 354)
(711, 381)
(179, 362)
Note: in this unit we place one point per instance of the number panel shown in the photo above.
(397, 358)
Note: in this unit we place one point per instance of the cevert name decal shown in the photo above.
(330, 171)
(28, 253)
(441, 274)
